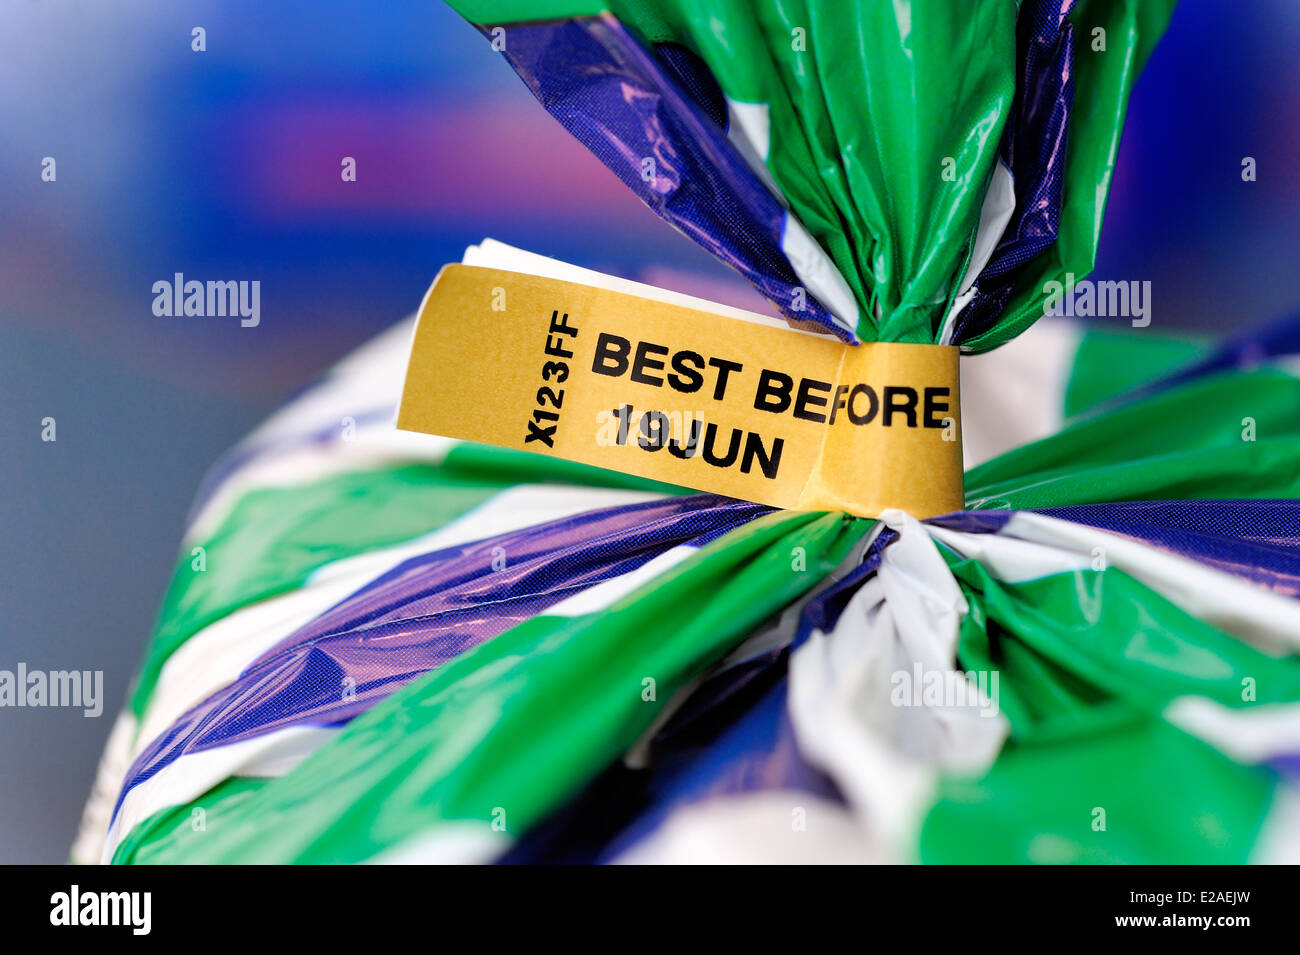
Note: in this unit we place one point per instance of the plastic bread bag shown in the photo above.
(405, 649)
(1052, 584)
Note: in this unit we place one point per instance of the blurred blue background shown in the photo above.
(225, 164)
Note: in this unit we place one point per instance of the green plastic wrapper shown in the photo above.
(907, 162)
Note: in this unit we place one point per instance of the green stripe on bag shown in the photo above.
(274, 538)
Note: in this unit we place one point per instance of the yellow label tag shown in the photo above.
(684, 396)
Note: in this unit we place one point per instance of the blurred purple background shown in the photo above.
(225, 165)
